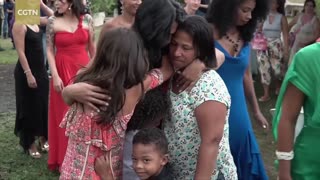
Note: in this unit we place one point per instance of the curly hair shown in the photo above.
(151, 110)
(153, 136)
(223, 14)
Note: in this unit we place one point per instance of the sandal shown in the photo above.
(35, 155)
(45, 147)
(264, 99)
(43, 144)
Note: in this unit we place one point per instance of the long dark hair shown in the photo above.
(77, 8)
(280, 8)
(223, 14)
(120, 63)
(153, 22)
(202, 35)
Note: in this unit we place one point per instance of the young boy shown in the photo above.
(150, 155)
(143, 117)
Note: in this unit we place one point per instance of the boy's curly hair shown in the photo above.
(154, 107)
(152, 136)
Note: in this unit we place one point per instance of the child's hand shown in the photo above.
(102, 168)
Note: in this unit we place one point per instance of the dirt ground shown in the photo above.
(7, 98)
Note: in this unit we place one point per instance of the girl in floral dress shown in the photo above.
(120, 67)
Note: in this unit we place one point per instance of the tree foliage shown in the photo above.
(106, 6)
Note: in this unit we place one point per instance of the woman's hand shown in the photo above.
(190, 75)
(92, 96)
(102, 168)
(262, 120)
(57, 84)
(32, 83)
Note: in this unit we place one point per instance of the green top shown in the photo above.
(304, 73)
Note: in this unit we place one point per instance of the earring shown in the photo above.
(69, 8)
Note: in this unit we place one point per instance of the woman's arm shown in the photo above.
(102, 168)
(211, 117)
(165, 73)
(50, 33)
(316, 31)
(291, 106)
(316, 28)
(293, 22)
(91, 41)
(285, 33)
(46, 10)
(19, 32)
(252, 99)
(92, 96)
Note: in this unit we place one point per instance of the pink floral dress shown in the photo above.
(89, 140)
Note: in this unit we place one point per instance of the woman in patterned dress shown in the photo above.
(198, 130)
(304, 28)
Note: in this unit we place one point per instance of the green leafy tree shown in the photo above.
(318, 7)
(106, 6)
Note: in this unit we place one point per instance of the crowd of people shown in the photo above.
(163, 93)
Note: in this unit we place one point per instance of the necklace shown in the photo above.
(235, 44)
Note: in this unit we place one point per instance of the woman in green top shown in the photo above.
(299, 160)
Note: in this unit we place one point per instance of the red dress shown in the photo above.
(71, 55)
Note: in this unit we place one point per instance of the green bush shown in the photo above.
(318, 7)
(106, 6)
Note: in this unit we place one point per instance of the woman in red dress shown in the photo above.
(70, 36)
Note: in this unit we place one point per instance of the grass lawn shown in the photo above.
(16, 165)
(9, 55)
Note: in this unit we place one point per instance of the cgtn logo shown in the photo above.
(28, 12)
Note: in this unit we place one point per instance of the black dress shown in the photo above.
(31, 104)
